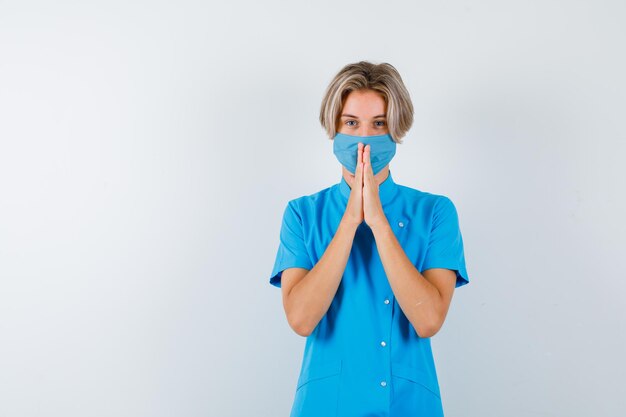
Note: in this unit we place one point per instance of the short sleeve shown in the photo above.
(292, 250)
(445, 246)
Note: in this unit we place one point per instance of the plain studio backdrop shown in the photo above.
(148, 149)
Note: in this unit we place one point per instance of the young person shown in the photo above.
(367, 266)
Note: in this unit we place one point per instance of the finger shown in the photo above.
(367, 167)
(359, 167)
(359, 176)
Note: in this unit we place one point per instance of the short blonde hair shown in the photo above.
(382, 78)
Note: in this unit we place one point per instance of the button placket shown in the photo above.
(383, 344)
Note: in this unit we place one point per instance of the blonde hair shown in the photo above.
(382, 78)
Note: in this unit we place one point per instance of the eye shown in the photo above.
(380, 121)
(349, 121)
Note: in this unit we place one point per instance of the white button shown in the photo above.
(386, 301)
(383, 344)
(383, 383)
(400, 224)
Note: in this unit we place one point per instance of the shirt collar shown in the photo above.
(386, 189)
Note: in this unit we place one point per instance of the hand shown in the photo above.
(373, 213)
(354, 209)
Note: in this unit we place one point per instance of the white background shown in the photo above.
(148, 149)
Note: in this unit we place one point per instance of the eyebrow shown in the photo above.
(355, 117)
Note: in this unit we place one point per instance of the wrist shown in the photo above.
(348, 224)
(380, 227)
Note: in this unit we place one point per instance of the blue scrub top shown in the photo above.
(365, 358)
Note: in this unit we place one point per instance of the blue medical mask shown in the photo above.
(346, 149)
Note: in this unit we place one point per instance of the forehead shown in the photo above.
(367, 103)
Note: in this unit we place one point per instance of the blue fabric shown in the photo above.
(346, 149)
(346, 370)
